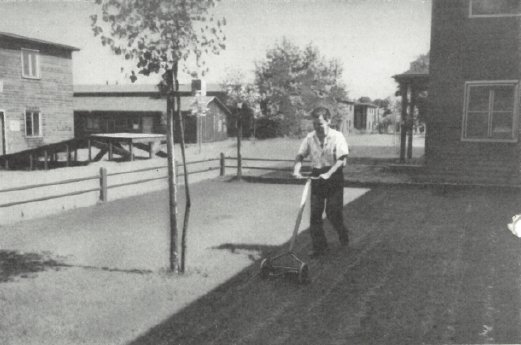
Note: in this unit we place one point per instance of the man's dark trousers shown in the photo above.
(328, 194)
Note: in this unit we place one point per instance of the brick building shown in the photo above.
(36, 96)
(475, 69)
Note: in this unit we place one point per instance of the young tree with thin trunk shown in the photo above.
(161, 36)
(242, 97)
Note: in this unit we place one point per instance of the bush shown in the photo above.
(267, 128)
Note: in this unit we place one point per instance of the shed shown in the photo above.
(141, 109)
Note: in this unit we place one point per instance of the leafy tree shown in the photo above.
(293, 80)
(158, 35)
(382, 103)
(364, 99)
(421, 64)
(244, 98)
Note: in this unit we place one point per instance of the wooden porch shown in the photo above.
(116, 146)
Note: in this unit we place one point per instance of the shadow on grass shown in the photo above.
(244, 300)
(236, 248)
(15, 264)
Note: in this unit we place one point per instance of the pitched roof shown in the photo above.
(137, 104)
(134, 88)
(370, 105)
(36, 40)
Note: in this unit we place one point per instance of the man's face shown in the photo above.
(320, 125)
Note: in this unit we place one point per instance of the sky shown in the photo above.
(373, 39)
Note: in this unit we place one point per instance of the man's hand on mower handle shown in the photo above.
(297, 174)
(325, 176)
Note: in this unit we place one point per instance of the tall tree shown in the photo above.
(364, 99)
(382, 103)
(294, 80)
(159, 35)
(244, 98)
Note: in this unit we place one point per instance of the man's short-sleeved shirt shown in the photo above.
(334, 148)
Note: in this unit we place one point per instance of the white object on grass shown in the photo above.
(515, 226)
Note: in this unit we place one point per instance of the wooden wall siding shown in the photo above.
(209, 126)
(211, 130)
(466, 49)
(81, 130)
(51, 94)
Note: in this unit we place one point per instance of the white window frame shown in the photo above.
(36, 68)
(515, 115)
(471, 15)
(40, 126)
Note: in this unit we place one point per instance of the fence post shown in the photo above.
(222, 164)
(89, 145)
(103, 184)
(45, 160)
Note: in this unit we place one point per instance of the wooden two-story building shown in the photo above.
(475, 72)
(365, 117)
(36, 93)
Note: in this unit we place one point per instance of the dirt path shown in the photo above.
(449, 272)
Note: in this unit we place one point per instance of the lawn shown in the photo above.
(97, 275)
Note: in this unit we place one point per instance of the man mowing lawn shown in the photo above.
(328, 151)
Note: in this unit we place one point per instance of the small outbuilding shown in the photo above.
(141, 109)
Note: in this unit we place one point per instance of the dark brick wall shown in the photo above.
(466, 49)
(51, 94)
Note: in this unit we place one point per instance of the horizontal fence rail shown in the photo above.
(260, 168)
(104, 186)
(49, 197)
(138, 170)
(49, 184)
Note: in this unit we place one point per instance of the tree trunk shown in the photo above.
(239, 135)
(172, 186)
(188, 203)
(403, 125)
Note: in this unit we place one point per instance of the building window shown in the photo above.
(490, 111)
(30, 64)
(121, 124)
(33, 123)
(494, 8)
(93, 123)
(136, 123)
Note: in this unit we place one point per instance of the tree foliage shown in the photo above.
(382, 103)
(421, 64)
(294, 80)
(364, 99)
(160, 33)
(243, 99)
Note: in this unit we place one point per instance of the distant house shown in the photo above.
(475, 71)
(365, 116)
(36, 97)
(346, 110)
(141, 109)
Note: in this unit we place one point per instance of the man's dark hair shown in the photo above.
(318, 111)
